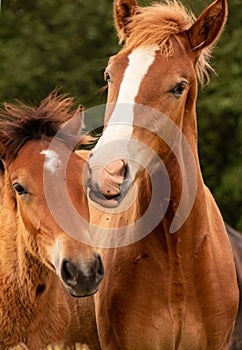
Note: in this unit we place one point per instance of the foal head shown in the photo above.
(152, 89)
(41, 176)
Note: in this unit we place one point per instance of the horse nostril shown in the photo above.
(97, 268)
(111, 178)
(69, 273)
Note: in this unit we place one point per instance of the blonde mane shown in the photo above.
(159, 24)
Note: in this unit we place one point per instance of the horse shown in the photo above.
(46, 264)
(236, 242)
(170, 280)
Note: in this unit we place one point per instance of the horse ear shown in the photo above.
(70, 132)
(207, 28)
(75, 125)
(123, 10)
(78, 121)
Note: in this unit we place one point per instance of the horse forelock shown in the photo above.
(159, 24)
(20, 123)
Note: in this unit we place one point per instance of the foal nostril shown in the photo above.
(69, 273)
(97, 269)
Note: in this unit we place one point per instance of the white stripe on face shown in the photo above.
(52, 161)
(120, 125)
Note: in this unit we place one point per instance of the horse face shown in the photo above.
(54, 215)
(145, 108)
(152, 92)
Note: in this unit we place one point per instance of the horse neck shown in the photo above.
(184, 175)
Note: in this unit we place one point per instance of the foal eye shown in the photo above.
(19, 189)
(107, 76)
(179, 88)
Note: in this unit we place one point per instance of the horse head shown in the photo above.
(44, 191)
(152, 90)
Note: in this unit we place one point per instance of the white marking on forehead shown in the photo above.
(139, 62)
(52, 160)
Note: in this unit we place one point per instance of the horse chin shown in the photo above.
(108, 201)
(80, 294)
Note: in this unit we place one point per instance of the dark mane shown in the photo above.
(20, 123)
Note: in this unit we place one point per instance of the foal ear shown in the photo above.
(75, 125)
(207, 28)
(79, 125)
(123, 10)
(70, 132)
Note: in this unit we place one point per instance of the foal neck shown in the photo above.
(31, 296)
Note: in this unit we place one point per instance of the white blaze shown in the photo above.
(120, 125)
(52, 160)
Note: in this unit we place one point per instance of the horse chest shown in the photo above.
(142, 322)
(157, 304)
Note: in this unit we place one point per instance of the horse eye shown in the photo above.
(179, 88)
(19, 189)
(107, 76)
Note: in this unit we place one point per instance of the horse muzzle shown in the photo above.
(109, 183)
(81, 279)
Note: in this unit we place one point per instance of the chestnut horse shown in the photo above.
(236, 242)
(42, 264)
(170, 279)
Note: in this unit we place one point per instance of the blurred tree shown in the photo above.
(49, 43)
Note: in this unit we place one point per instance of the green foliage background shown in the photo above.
(49, 43)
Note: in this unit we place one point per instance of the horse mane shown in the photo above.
(20, 123)
(159, 24)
